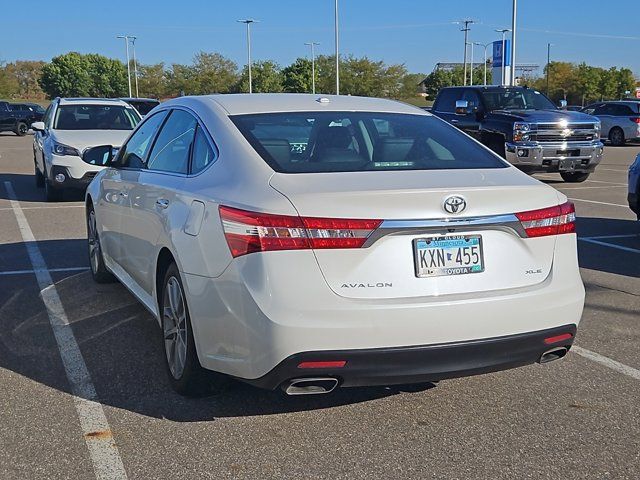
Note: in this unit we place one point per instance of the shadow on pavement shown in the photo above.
(122, 347)
(607, 258)
(26, 191)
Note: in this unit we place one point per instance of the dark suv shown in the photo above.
(18, 117)
(525, 127)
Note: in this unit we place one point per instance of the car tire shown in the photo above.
(21, 129)
(99, 271)
(576, 177)
(38, 175)
(616, 137)
(186, 375)
(51, 194)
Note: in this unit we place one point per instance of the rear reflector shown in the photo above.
(557, 338)
(549, 221)
(332, 364)
(248, 232)
(635, 119)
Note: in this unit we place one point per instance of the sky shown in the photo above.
(418, 33)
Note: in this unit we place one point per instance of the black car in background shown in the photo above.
(18, 117)
(142, 105)
(525, 127)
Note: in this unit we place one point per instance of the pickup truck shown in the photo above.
(17, 118)
(523, 126)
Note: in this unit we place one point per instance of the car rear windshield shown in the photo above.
(143, 107)
(313, 142)
(95, 117)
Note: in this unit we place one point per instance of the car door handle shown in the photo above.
(162, 203)
(454, 121)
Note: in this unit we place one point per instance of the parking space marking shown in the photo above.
(603, 237)
(612, 170)
(599, 203)
(610, 245)
(50, 270)
(44, 208)
(608, 183)
(588, 188)
(103, 451)
(607, 362)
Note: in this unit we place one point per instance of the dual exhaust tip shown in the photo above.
(321, 385)
(310, 386)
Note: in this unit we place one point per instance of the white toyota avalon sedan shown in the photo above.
(309, 242)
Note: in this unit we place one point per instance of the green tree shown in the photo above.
(213, 73)
(410, 85)
(180, 80)
(25, 77)
(266, 78)
(152, 80)
(297, 76)
(8, 84)
(74, 74)
(436, 80)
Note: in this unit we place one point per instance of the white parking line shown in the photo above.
(29, 271)
(603, 237)
(610, 245)
(588, 188)
(607, 362)
(98, 437)
(608, 183)
(611, 170)
(44, 208)
(599, 203)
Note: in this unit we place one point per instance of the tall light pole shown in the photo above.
(513, 42)
(466, 29)
(485, 59)
(126, 42)
(337, 50)
(549, 45)
(313, 65)
(504, 60)
(471, 71)
(248, 22)
(135, 63)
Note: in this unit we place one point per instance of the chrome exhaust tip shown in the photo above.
(310, 386)
(553, 354)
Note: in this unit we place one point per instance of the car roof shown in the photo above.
(92, 101)
(138, 99)
(245, 103)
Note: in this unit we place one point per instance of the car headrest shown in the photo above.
(392, 149)
(333, 137)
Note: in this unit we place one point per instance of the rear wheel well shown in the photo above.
(165, 258)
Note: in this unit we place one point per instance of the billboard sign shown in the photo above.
(498, 54)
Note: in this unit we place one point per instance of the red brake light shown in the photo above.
(635, 119)
(248, 232)
(327, 364)
(557, 338)
(549, 221)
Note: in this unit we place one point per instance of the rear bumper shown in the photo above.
(536, 157)
(418, 364)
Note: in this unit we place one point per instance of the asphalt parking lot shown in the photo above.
(576, 418)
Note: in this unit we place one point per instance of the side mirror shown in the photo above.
(38, 126)
(562, 104)
(463, 108)
(102, 156)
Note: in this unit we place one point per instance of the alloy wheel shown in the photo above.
(94, 243)
(174, 327)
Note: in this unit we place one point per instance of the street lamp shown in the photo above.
(126, 42)
(135, 63)
(466, 30)
(485, 59)
(313, 65)
(337, 50)
(503, 31)
(549, 45)
(471, 72)
(248, 22)
(513, 41)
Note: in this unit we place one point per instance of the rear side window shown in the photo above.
(172, 148)
(203, 155)
(446, 101)
(316, 142)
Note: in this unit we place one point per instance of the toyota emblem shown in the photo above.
(454, 204)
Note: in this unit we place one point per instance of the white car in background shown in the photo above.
(306, 243)
(70, 126)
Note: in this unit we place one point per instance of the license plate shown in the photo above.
(567, 165)
(450, 255)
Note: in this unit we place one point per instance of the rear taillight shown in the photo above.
(549, 221)
(635, 119)
(248, 232)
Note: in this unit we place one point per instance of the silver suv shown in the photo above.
(620, 120)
